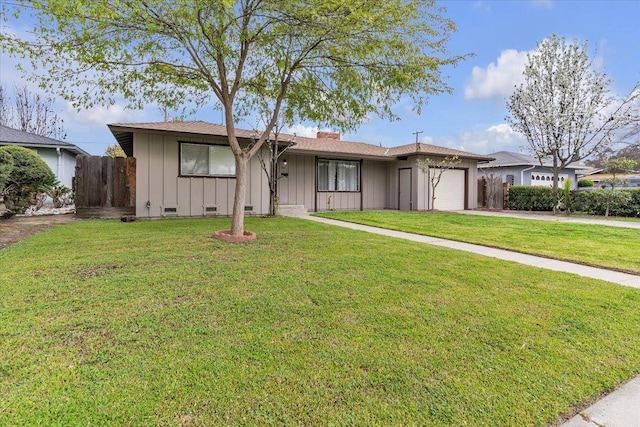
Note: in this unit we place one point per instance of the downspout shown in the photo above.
(522, 173)
(59, 163)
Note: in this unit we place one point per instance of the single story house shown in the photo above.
(629, 180)
(60, 156)
(187, 169)
(522, 169)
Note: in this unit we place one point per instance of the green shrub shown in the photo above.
(530, 198)
(620, 202)
(585, 183)
(60, 195)
(29, 174)
(6, 166)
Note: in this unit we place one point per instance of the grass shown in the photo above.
(155, 323)
(601, 246)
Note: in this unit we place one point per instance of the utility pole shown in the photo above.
(416, 133)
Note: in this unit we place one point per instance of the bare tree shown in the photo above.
(270, 165)
(30, 112)
(434, 170)
(6, 114)
(564, 107)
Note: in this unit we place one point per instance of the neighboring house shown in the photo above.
(521, 169)
(187, 169)
(629, 181)
(60, 156)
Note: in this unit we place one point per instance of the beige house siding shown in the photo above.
(471, 185)
(420, 186)
(375, 183)
(338, 201)
(158, 182)
(298, 187)
(393, 171)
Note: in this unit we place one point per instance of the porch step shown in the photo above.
(292, 210)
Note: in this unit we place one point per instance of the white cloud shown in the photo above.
(100, 115)
(542, 4)
(482, 5)
(302, 130)
(500, 137)
(426, 140)
(305, 131)
(497, 80)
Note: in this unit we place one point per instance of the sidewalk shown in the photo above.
(621, 408)
(548, 216)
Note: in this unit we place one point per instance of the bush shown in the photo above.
(6, 166)
(620, 202)
(60, 195)
(29, 174)
(585, 183)
(530, 198)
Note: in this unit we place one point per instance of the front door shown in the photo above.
(404, 190)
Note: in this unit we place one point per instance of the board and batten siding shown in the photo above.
(375, 185)
(471, 185)
(160, 185)
(298, 187)
(420, 186)
(372, 195)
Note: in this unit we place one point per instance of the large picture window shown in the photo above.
(338, 175)
(206, 160)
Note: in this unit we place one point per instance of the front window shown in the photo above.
(206, 160)
(338, 175)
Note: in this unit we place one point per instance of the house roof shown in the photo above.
(597, 177)
(10, 136)
(123, 132)
(508, 158)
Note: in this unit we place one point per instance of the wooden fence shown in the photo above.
(105, 187)
(492, 193)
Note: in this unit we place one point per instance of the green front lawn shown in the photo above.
(601, 246)
(156, 323)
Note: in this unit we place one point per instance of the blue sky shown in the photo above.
(498, 33)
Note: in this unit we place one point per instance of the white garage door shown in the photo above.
(450, 191)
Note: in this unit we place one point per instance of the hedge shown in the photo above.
(623, 202)
(530, 198)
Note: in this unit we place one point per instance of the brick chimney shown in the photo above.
(328, 135)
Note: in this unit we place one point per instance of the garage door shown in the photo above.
(450, 191)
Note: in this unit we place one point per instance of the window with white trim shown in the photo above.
(338, 175)
(206, 160)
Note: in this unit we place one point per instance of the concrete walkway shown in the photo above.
(621, 408)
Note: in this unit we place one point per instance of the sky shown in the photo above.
(499, 34)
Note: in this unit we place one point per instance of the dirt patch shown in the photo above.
(18, 228)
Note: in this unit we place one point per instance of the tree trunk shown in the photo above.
(556, 178)
(273, 179)
(237, 220)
